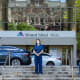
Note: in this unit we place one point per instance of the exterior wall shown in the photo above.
(29, 41)
(37, 14)
(58, 50)
(47, 37)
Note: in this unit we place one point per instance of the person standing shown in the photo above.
(38, 50)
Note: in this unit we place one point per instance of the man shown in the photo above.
(38, 50)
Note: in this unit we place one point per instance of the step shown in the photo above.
(49, 73)
(39, 78)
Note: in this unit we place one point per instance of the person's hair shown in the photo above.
(39, 40)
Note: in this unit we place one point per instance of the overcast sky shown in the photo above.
(50, 0)
(58, 0)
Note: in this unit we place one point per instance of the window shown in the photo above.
(42, 21)
(36, 2)
(32, 20)
(20, 0)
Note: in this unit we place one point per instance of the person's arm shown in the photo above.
(41, 52)
(35, 52)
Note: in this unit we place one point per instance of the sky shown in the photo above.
(58, 0)
(50, 0)
(63, 0)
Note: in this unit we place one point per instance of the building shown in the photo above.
(54, 42)
(38, 13)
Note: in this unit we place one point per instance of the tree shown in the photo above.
(25, 27)
(11, 26)
(77, 4)
(70, 4)
(0, 14)
(78, 42)
(5, 14)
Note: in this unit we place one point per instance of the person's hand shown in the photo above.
(37, 54)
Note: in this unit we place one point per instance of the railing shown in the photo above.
(72, 73)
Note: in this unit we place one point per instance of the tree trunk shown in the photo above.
(5, 14)
(70, 13)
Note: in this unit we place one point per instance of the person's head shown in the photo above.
(46, 27)
(38, 42)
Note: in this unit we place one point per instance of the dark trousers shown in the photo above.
(38, 64)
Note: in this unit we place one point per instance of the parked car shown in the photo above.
(18, 56)
(47, 60)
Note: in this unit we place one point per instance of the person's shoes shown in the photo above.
(36, 73)
(41, 73)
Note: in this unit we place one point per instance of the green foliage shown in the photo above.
(11, 26)
(25, 27)
(65, 15)
(77, 4)
(21, 27)
(30, 49)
